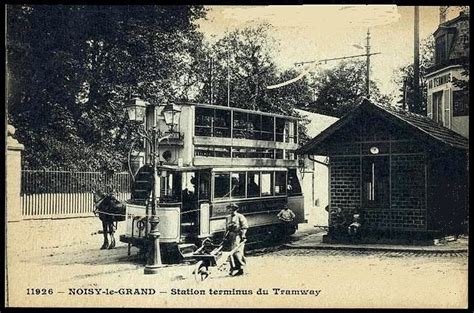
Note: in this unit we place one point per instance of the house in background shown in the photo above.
(448, 104)
(315, 176)
(405, 174)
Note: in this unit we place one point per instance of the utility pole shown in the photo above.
(367, 74)
(367, 54)
(416, 61)
(211, 86)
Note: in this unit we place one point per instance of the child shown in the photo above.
(287, 217)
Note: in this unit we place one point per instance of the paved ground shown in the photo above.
(64, 256)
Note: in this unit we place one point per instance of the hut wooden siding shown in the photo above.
(423, 180)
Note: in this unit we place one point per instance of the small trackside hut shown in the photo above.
(222, 155)
(404, 174)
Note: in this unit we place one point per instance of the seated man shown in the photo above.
(287, 217)
(354, 227)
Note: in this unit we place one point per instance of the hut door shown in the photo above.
(375, 180)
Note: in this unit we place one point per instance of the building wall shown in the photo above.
(408, 193)
(345, 184)
(407, 210)
(440, 79)
(460, 124)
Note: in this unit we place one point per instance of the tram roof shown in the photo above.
(210, 106)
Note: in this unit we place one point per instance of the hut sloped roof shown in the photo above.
(421, 126)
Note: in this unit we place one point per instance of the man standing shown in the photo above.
(237, 228)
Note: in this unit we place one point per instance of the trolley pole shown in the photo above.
(367, 75)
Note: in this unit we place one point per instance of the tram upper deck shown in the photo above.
(222, 136)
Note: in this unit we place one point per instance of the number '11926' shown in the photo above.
(39, 291)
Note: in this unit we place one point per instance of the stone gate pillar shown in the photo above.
(13, 176)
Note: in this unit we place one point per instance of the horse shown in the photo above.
(110, 210)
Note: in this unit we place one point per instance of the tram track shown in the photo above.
(389, 254)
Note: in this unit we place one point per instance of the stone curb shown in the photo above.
(371, 248)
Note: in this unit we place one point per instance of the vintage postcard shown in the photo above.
(300, 156)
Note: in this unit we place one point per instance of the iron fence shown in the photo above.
(62, 193)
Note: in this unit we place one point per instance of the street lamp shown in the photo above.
(136, 110)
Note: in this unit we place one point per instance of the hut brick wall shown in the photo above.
(408, 207)
(345, 184)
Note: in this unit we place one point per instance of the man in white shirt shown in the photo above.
(237, 226)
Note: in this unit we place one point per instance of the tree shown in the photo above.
(404, 78)
(337, 90)
(72, 68)
(244, 60)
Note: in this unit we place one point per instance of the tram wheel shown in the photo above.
(201, 271)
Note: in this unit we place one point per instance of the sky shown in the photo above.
(313, 32)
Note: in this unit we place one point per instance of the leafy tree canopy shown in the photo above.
(340, 88)
(404, 78)
(71, 69)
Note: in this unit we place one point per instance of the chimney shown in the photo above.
(442, 13)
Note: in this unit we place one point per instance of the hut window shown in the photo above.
(375, 175)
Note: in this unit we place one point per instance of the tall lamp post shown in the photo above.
(136, 110)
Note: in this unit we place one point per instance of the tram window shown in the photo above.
(278, 154)
(238, 185)
(221, 185)
(203, 120)
(221, 125)
(294, 187)
(255, 125)
(240, 125)
(295, 131)
(279, 129)
(266, 153)
(280, 183)
(253, 153)
(170, 188)
(290, 131)
(206, 151)
(222, 152)
(289, 155)
(204, 184)
(267, 127)
(189, 182)
(267, 184)
(238, 152)
(253, 184)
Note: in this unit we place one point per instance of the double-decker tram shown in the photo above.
(221, 155)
